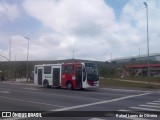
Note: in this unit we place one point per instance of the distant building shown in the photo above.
(139, 64)
(154, 58)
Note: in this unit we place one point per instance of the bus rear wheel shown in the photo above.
(45, 84)
(69, 86)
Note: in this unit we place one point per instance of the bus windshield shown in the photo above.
(91, 71)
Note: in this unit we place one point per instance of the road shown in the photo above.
(28, 97)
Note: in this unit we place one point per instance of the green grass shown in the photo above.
(145, 79)
(117, 83)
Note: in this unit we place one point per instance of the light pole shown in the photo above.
(9, 72)
(111, 57)
(148, 63)
(27, 56)
(73, 54)
(139, 54)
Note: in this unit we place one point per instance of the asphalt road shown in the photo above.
(101, 104)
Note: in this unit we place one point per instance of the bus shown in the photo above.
(67, 75)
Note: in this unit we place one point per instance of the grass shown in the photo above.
(145, 79)
(118, 83)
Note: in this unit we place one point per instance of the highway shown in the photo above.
(29, 97)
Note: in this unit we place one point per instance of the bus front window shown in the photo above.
(91, 71)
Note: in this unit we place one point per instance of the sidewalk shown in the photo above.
(133, 81)
(19, 81)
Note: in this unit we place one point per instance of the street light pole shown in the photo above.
(9, 72)
(73, 54)
(111, 57)
(27, 56)
(148, 63)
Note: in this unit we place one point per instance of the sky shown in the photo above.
(98, 30)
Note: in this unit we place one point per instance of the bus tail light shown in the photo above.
(73, 77)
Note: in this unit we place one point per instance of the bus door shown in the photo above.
(56, 76)
(39, 76)
(79, 76)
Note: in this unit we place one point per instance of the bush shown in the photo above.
(107, 72)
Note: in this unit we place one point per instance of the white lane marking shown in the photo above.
(31, 101)
(96, 119)
(101, 102)
(17, 83)
(85, 105)
(16, 118)
(4, 92)
(153, 103)
(106, 93)
(125, 90)
(123, 110)
(149, 106)
(147, 109)
(69, 96)
(156, 101)
(31, 88)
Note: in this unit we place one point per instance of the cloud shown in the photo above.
(90, 28)
(8, 11)
(67, 16)
(134, 14)
(81, 25)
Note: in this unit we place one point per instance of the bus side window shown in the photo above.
(68, 69)
(35, 70)
(47, 69)
(63, 69)
(84, 74)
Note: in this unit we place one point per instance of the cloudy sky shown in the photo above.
(93, 29)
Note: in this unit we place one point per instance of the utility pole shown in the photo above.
(148, 62)
(9, 72)
(111, 57)
(27, 56)
(139, 54)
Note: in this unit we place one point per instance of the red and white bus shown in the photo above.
(67, 75)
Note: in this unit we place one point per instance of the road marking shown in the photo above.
(96, 119)
(149, 106)
(85, 105)
(4, 92)
(31, 88)
(123, 110)
(156, 101)
(101, 102)
(147, 109)
(69, 96)
(106, 93)
(125, 90)
(153, 103)
(19, 83)
(31, 101)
